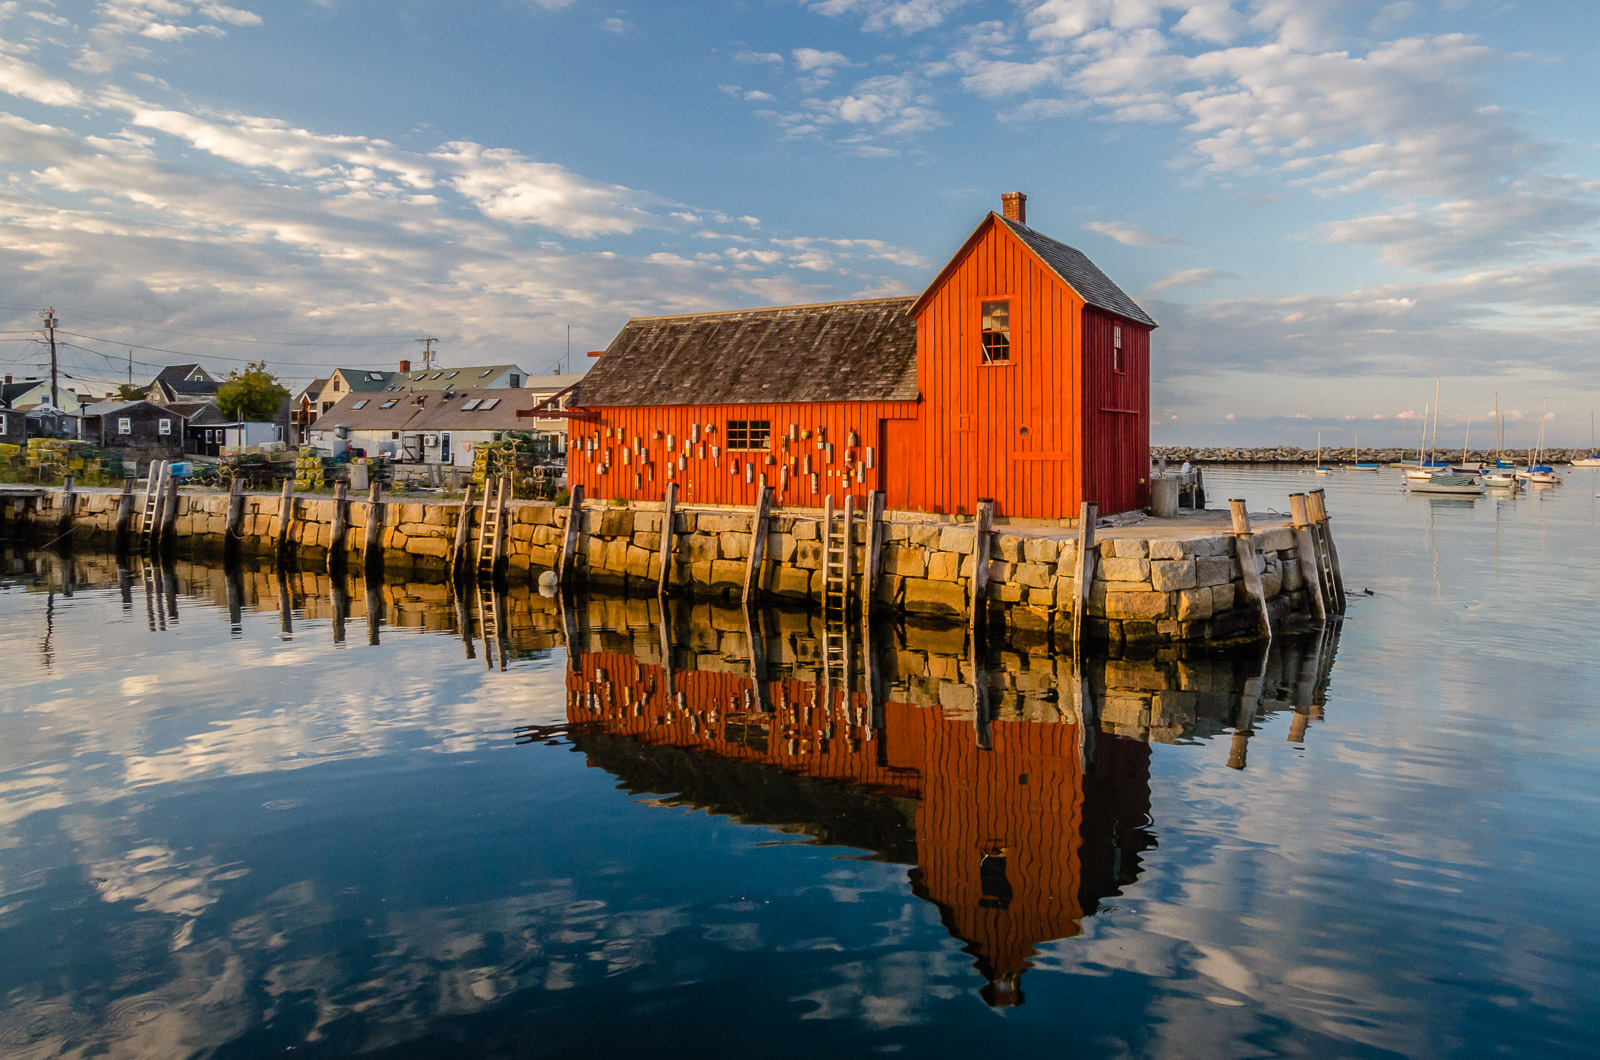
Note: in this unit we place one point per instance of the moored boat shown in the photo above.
(1457, 485)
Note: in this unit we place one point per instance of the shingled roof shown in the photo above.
(839, 351)
(1083, 275)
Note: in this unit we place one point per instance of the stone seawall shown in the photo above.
(1179, 581)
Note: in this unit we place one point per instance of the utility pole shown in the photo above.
(130, 368)
(427, 352)
(569, 347)
(50, 329)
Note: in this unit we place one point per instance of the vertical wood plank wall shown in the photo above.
(1116, 414)
(704, 480)
(974, 414)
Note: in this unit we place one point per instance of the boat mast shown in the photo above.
(1433, 443)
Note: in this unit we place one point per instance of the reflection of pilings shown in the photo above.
(1244, 721)
(285, 605)
(463, 610)
(373, 582)
(980, 688)
(169, 582)
(125, 582)
(569, 624)
(664, 622)
(1083, 708)
(339, 601)
(235, 589)
(756, 634)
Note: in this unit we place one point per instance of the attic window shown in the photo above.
(468, 406)
(996, 332)
(335, 386)
(749, 434)
(488, 403)
(515, 380)
(360, 404)
(391, 403)
(1116, 347)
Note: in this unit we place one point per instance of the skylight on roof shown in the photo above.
(452, 375)
(438, 375)
(418, 375)
(468, 406)
(485, 373)
(487, 404)
(360, 404)
(376, 377)
(391, 403)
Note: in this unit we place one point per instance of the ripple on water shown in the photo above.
(38, 1022)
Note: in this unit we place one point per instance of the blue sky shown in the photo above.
(1325, 204)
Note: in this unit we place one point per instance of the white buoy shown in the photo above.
(548, 582)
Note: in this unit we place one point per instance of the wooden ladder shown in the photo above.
(838, 563)
(489, 626)
(150, 511)
(491, 527)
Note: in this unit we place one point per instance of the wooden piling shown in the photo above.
(462, 547)
(372, 554)
(68, 502)
(875, 504)
(758, 542)
(124, 514)
(849, 560)
(341, 524)
(285, 517)
(1306, 551)
(569, 541)
(169, 514)
(1249, 563)
(235, 517)
(984, 531)
(668, 528)
(1083, 573)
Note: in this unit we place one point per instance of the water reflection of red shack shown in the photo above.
(1015, 843)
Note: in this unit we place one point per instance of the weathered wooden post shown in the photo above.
(984, 530)
(1306, 551)
(231, 522)
(758, 542)
(124, 514)
(668, 518)
(463, 542)
(285, 518)
(569, 542)
(64, 517)
(1083, 572)
(341, 523)
(169, 514)
(875, 504)
(1319, 515)
(849, 560)
(372, 551)
(1249, 563)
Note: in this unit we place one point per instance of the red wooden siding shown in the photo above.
(974, 414)
(1026, 799)
(646, 469)
(1116, 414)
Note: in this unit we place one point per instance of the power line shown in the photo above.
(205, 356)
(163, 326)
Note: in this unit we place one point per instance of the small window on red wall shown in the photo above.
(996, 332)
(1116, 348)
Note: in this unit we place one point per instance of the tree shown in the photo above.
(253, 394)
(131, 392)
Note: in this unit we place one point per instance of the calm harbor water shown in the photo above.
(247, 815)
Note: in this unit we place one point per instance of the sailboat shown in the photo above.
(1358, 465)
(1465, 468)
(1425, 468)
(1540, 473)
(1593, 457)
(1319, 469)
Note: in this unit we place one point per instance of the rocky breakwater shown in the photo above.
(1333, 456)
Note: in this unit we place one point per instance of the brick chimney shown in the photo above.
(1014, 205)
(405, 366)
(8, 380)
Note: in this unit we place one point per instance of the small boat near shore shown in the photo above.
(1500, 480)
(1454, 485)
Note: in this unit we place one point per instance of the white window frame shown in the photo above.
(164, 427)
(124, 425)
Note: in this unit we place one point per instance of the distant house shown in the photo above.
(132, 425)
(13, 426)
(41, 417)
(180, 383)
(436, 426)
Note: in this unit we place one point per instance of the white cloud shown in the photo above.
(23, 79)
(1200, 277)
(1132, 235)
(904, 16)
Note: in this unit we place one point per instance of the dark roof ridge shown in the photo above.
(845, 304)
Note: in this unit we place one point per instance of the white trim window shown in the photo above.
(4, 422)
(124, 425)
(165, 427)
